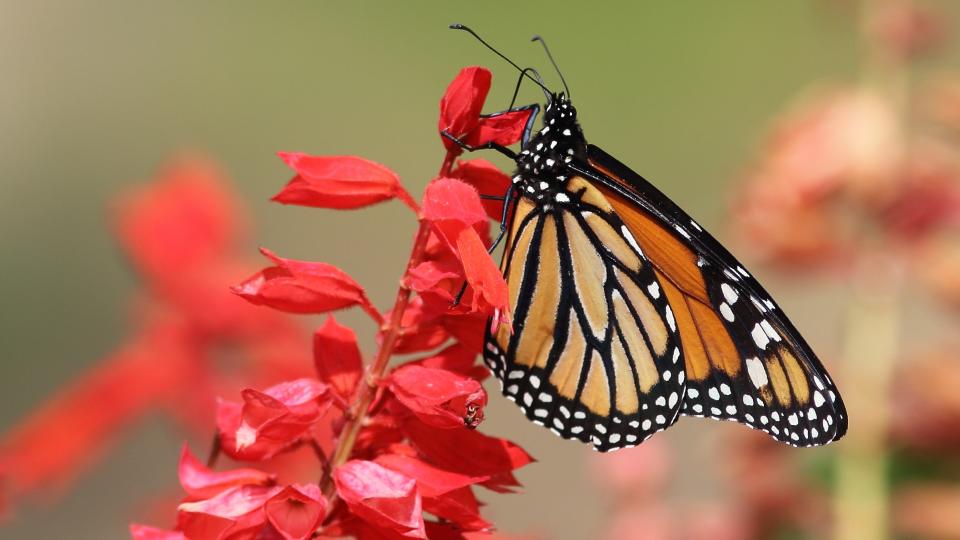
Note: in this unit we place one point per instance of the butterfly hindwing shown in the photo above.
(594, 354)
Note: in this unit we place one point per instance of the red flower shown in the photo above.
(144, 532)
(445, 494)
(64, 435)
(187, 220)
(907, 30)
(337, 358)
(339, 182)
(381, 497)
(460, 113)
(303, 287)
(297, 511)
(469, 452)
(422, 326)
(438, 397)
(235, 513)
(487, 179)
(271, 421)
(457, 358)
(431, 481)
(200, 482)
(453, 208)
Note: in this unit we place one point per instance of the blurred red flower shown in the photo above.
(183, 234)
(402, 442)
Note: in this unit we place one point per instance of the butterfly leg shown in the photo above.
(507, 199)
(488, 146)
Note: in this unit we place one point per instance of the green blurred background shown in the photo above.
(95, 97)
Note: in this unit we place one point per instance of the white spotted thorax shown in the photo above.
(541, 166)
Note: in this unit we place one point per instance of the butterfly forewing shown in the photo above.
(744, 359)
(594, 353)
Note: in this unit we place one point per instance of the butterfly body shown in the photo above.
(627, 314)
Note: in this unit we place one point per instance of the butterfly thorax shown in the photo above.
(542, 166)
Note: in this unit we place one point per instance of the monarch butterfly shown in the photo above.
(627, 314)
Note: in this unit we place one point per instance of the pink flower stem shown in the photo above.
(365, 394)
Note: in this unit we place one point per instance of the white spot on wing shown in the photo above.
(768, 329)
(631, 239)
(759, 336)
(670, 320)
(729, 294)
(818, 399)
(654, 290)
(758, 375)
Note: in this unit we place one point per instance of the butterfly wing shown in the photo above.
(744, 359)
(594, 352)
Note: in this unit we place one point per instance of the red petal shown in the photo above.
(421, 329)
(461, 104)
(299, 395)
(272, 421)
(338, 182)
(381, 497)
(200, 482)
(227, 515)
(302, 287)
(72, 428)
(337, 358)
(438, 397)
(467, 451)
(297, 511)
(144, 532)
(434, 276)
(379, 432)
(184, 220)
(468, 329)
(487, 179)
(503, 129)
(431, 481)
(449, 199)
(458, 359)
(460, 507)
(490, 290)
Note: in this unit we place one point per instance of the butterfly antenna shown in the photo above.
(523, 73)
(554, 62)
(516, 89)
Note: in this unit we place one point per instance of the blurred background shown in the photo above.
(817, 138)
